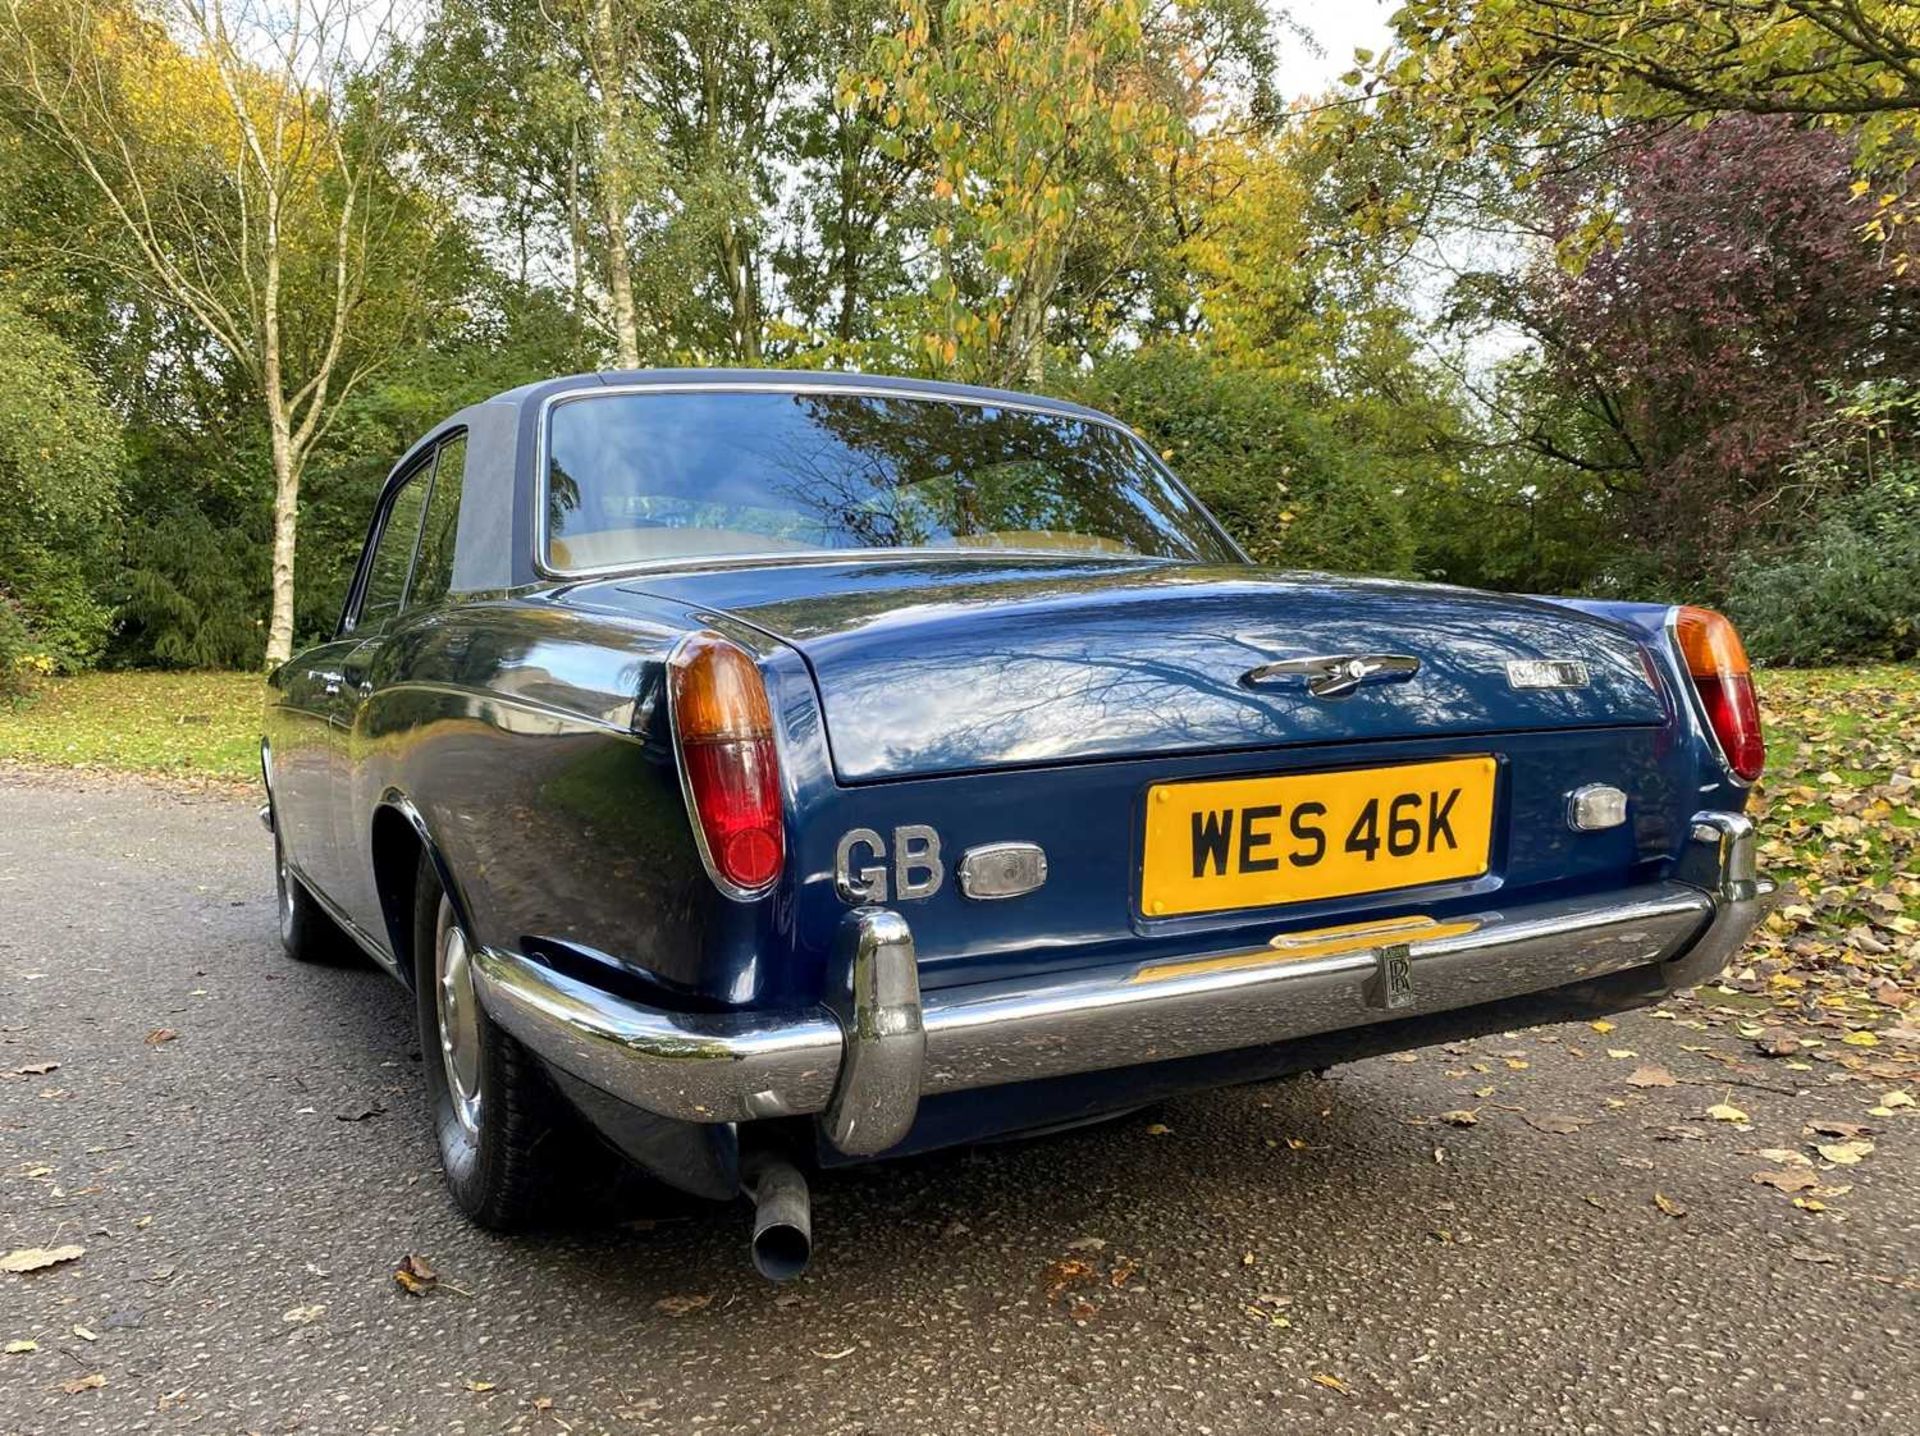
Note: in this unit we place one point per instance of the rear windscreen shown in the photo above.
(643, 477)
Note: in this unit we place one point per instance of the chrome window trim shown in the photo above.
(423, 458)
(541, 476)
(1699, 709)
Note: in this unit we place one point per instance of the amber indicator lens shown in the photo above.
(723, 727)
(1717, 663)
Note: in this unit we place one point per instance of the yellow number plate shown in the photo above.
(1257, 842)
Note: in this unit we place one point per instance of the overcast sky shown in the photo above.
(1339, 27)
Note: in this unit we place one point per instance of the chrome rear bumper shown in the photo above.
(866, 1067)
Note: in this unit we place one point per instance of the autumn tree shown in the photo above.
(1692, 349)
(244, 157)
(1529, 75)
(1052, 129)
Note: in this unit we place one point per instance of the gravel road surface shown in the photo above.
(239, 1145)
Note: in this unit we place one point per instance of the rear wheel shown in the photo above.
(495, 1118)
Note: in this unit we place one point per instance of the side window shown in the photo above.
(433, 574)
(393, 551)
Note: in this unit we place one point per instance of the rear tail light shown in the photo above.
(723, 729)
(1717, 662)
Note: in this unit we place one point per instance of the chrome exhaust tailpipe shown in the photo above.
(782, 1220)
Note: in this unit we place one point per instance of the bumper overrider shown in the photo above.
(865, 1063)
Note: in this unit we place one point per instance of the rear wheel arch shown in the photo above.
(400, 837)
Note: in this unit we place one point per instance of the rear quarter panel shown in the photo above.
(508, 726)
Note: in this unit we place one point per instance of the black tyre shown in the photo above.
(498, 1123)
(306, 932)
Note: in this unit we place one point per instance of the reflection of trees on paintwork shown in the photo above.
(931, 666)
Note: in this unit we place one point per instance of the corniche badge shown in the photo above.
(1546, 673)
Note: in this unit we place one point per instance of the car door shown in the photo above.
(340, 677)
(410, 572)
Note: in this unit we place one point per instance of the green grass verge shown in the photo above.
(190, 725)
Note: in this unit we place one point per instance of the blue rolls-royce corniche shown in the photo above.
(754, 772)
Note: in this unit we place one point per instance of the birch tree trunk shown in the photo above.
(610, 76)
(300, 163)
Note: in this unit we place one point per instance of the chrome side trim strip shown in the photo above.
(886, 1042)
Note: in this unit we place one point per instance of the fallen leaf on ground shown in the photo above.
(1560, 1126)
(1792, 1179)
(1810, 1204)
(681, 1305)
(414, 1276)
(301, 1315)
(1776, 1043)
(1086, 1244)
(90, 1382)
(836, 1355)
(1460, 1117)
(1838, 1129)
(1650, 1077)
(1726, 1112)
(1814, 1255)
(1064, 1273)
(481, 1385)
(1843, 1154)
(33, 1258)
(1668, 1205)
(1332, 1383)
(1861, 1039)
(36, 1069)
(21, 1348)
(160, 1035)
(1158, 1129)
(84, 1334)
(1897, 1099)
(1784, 1157)
(1621, 1054)
(1602, 1026)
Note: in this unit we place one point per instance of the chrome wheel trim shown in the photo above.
(458, 1013)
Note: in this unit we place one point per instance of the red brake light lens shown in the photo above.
(723, 727)
(1717, 662)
